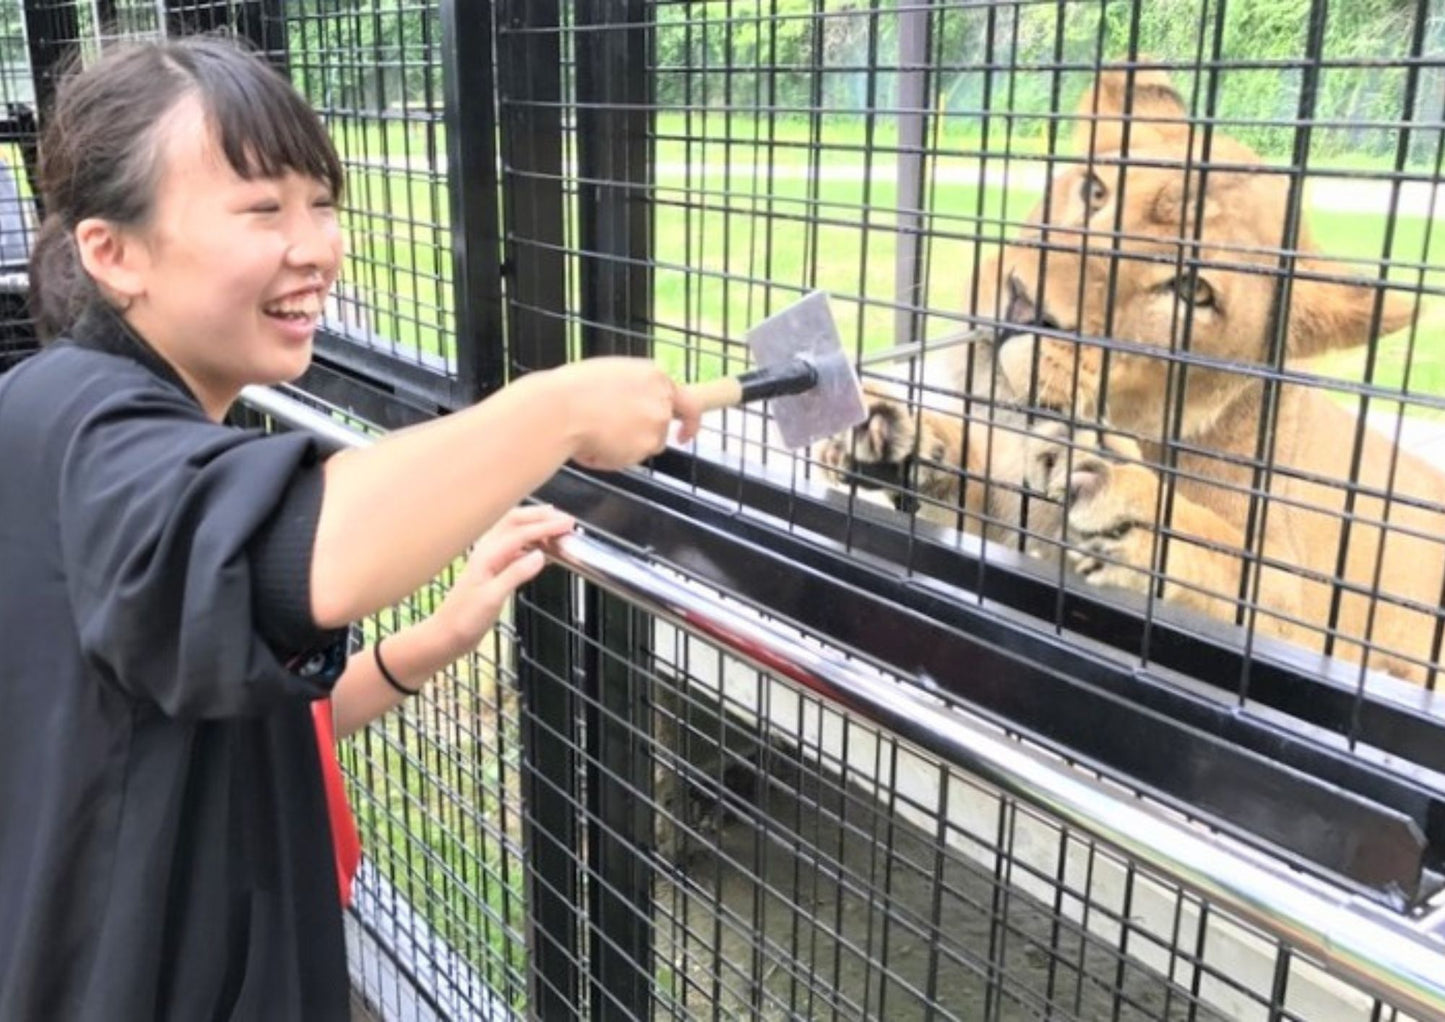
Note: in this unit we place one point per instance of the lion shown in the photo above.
(1135, 377)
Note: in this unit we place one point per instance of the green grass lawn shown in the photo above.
(731, 246)
(733, 243)
(692, 136)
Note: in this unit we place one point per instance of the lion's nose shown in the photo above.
(1020, 303)
(1022, 312)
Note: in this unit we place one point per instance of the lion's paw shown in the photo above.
(1110, 500)
(900, 450)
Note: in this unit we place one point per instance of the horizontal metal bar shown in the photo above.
(1379, 952)
(417, 379)
(299, 415)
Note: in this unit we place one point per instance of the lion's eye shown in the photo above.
(1093, 192)
(1194, 289)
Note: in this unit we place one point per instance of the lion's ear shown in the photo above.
(1325, 315)
(1154, 110)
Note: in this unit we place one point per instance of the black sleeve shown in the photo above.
(187, 551)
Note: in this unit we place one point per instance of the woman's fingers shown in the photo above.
(521, 530)
(517, 573)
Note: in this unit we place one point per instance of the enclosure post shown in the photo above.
(614, 167)
(50, 31)
(546, 658)
(529, 68)
(471, 132)
(619, 767)
(260, 22)
(529, 76)
(615, 178)
(912, 102)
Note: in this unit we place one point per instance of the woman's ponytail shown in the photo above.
(60, 289)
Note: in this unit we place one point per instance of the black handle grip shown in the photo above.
(795, 376)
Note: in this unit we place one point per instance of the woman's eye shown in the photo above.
(1194, 289)
(264, 207)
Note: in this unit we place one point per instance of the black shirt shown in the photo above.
(164, 845)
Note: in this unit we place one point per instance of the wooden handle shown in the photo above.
(724, 392)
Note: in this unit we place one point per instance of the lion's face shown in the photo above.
(1141, 250)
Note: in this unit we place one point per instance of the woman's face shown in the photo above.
(231, 274)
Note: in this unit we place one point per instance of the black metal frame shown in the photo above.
(354, 369)
(1249, 772)
(476, 245)
(615, 230)
(258, 21)
(529, 69)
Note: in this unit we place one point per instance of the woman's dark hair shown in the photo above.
(99, 151)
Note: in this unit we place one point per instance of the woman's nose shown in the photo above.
(314, 242)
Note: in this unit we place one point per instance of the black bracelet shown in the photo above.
(386, 675)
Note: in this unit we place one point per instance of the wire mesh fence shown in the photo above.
(374, 72)
(438, 928)
(1144, 298)
(800, 862)
(601, 814)
(604, 815)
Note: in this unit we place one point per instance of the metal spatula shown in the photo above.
(800, 366)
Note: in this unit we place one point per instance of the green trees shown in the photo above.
(764, 52)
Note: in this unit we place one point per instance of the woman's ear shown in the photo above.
(113, 260)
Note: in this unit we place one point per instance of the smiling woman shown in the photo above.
(178, 593)
(226, 276)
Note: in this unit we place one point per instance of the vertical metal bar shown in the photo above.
(529, 80)
(469, 85)
(529, 68)
(614, 118)
(262, 23)
(914, 22)
(614, 161)
(870, 152)
(105, 19)
(816, 95)
(51, 30)
(619, 766)
(728, 77)
(549, 794)
(1256, 524)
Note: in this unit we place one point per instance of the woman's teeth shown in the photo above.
(296, 306)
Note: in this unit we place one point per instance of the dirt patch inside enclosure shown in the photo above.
(818, 903)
